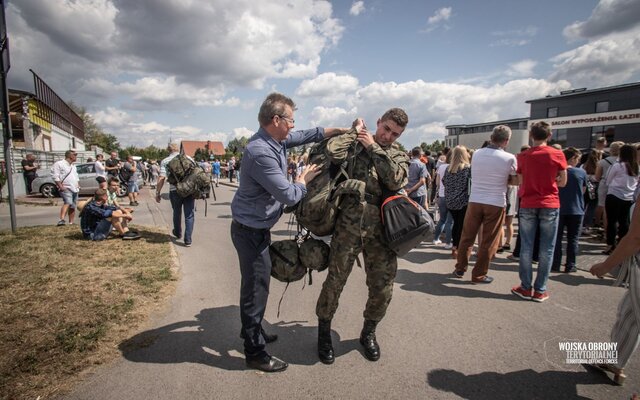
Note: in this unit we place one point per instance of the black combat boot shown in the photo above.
(368, 340)
(325, 348)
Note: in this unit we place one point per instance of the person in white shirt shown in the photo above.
(99, 166)
(492, 169)
(622, 179)
(66, 179)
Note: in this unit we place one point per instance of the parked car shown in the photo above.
(86, 172)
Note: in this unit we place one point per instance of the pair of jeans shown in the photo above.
(444, 223)
(252, 246)
(573, 224)
(458, 223)
(531, 220)
(178, 203)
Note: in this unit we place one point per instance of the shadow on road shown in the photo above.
(213, 338)
(525, 384)
(437, 284)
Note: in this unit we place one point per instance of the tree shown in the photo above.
(236, 146)
(91, 129)
(434, 147)
(201, 155)
(106, 141)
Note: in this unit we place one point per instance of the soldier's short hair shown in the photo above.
(416, 151)
(274, 104)
(397, 115)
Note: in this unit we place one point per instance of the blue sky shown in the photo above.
(148, 70)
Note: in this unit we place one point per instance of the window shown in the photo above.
(559, 136)
(552, 112)
(602, 106)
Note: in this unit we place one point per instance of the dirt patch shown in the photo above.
(66, 303)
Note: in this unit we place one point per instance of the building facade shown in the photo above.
(578, 117)
(474, 135)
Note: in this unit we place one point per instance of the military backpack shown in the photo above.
(188, 177)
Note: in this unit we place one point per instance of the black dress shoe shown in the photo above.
(272, 364)
(484, 279)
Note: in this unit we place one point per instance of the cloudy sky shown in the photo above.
(148, 70)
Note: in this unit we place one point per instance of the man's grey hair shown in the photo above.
(501, 134)
(274, 104)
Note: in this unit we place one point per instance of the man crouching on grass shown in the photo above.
(97, 218)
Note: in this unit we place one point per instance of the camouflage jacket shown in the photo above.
(377, 167)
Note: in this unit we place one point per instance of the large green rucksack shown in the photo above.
(318, 210)
(188, 177)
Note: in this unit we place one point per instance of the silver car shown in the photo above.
(88, 184)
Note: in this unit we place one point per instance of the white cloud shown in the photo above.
(608, 16)
(441, 15)
(609, 60)
(332, 116)
(514, 38)
(356, 8)
(330, 87)
(202, 46)
(242, 132)
(522, 68)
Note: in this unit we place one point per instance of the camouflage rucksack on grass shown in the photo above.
(188, 177)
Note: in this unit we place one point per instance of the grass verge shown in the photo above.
(66, 303)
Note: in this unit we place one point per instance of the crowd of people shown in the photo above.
(477, 194)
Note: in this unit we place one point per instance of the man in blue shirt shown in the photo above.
(257, 206)
(571, 211)
(216, 171)
(418, 178)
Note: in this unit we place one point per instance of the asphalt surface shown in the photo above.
(442, 337)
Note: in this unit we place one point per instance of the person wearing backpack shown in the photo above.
(178, 203)
(382, 167)
(257, 206)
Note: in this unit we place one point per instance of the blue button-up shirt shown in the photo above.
(265, 188)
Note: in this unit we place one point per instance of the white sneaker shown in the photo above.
(448, 246)
(437, 242)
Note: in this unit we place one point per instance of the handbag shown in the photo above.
(592, 190)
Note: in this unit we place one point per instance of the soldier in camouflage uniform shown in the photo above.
(378, 164)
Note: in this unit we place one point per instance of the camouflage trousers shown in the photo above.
(359, 229)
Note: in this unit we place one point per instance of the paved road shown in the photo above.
(442, 337)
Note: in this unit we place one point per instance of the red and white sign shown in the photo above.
(589, 120)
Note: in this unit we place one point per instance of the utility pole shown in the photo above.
(6, 120)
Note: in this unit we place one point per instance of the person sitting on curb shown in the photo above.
(97, 218)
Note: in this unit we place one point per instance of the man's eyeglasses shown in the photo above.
(289, 120)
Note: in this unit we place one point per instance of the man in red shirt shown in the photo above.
(541, 170)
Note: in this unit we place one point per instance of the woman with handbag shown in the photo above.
(457, 181)
(621, 181)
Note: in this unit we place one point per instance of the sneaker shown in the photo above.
(135, 203)
(521, 292)
(187, 245)
(437, 242)
(61, 222)
(448, 246)
(539, 297)
(132, 203)
(513, 258)
(176, 234)
(458, 274)
(131, 236)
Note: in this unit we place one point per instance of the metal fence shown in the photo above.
(44, 158)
